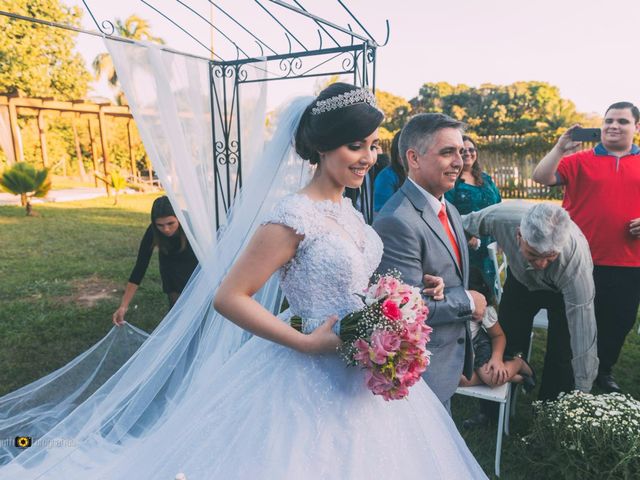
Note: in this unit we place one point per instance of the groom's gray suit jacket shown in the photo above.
(415, 243)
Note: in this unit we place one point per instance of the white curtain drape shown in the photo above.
(170, 100)
(6, 142)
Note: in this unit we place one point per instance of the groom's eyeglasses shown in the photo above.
(469, 150)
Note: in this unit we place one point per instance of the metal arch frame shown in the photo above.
(227, 78)
(355, 58)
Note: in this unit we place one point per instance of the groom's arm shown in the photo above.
(402, 251)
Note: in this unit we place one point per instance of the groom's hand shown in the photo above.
(434, 287)
(480, 303)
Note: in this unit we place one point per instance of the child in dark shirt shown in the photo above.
(176, 258)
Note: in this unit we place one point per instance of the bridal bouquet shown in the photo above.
(388, 337)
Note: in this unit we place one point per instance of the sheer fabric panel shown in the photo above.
(148, 398)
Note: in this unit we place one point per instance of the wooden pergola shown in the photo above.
(79, 111)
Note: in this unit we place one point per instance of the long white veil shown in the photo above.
(170, 99)
(36, 408)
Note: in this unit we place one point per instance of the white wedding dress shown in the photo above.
(280, 414)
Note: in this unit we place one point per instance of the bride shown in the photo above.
(289, 406)
(283, 404)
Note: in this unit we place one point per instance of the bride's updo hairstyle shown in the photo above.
(341, 114)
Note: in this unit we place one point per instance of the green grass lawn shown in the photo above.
(62, 274)
(60, 182)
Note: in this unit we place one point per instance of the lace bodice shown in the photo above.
(334, 261)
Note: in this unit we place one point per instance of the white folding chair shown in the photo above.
(502, 395)
(500, 268)
(541, 320)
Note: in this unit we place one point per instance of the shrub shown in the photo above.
(116, 181)
(24, 180)
(583, 436)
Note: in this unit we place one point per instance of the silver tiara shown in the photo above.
(361, 95)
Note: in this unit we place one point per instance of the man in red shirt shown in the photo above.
(602, 195)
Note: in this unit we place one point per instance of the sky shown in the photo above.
(587, 48)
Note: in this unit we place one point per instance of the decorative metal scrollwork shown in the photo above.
(242, 75)
(290, 66)
(371, 55)
(349, 61)
(107, 27)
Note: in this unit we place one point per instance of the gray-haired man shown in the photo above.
(549, 267)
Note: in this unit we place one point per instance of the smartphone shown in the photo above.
(585, 135)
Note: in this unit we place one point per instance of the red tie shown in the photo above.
(442, 216)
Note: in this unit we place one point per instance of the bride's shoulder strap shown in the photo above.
(296, 212)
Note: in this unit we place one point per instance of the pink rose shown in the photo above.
(393, 284)
(402, 368)
(384, 345)
(418, 366)
(391, 310)
(416, 334)
(377, 382)
(396, 393)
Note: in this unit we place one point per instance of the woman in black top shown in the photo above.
(177, 260)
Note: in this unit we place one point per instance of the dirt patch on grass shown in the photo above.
(89, 291)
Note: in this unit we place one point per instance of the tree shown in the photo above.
(24, 180)
(396, 111)
(133, 27)
(39, 60)
(521, 108)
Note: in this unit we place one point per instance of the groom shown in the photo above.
(422, 234)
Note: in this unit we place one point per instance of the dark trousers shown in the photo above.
(518, 306)
(616, 307)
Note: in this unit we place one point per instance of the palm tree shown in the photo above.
(24, 180)
(133, 27)
(116, 181)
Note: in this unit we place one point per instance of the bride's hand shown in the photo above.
(322, 339)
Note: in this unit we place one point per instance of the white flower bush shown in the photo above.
(586, 436)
